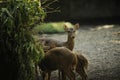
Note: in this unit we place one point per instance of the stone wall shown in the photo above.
(93, 8)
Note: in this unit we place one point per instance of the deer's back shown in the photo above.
(51, 42)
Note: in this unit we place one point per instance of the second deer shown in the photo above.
(51, 43)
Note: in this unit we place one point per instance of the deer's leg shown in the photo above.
(63, 75)
(59, 74)
(69, 73)
(49, 75)
(45, 75)
(82, 72)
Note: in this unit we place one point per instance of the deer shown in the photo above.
(51, 43)
(65, 60)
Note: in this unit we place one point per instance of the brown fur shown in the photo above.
(65, 60)
(59, 58)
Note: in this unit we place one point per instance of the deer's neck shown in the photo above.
(70, 43)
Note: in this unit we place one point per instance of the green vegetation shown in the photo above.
(18, 50)
(52, 27)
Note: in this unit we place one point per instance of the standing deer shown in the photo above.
(68, 44)
(58, 58)
(51, 43)
(65, 60)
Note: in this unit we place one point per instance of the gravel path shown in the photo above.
(101, 46)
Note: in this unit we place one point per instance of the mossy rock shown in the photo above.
(50, 28)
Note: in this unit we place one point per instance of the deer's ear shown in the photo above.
(65, 27)
(77, 26)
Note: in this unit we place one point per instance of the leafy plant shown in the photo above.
(18, 49)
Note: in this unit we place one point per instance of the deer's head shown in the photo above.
(71, 31)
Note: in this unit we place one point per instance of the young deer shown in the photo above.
(68, 44)
(59, 58)
(65, 60)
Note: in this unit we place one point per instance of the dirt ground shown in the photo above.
(100, 44)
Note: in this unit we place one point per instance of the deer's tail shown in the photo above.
(82, 61)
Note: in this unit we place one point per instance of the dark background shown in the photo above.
(87, 11)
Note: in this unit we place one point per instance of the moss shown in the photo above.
(52, 27)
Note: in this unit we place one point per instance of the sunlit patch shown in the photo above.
(116, 33)
(103, 27)
(115, 41)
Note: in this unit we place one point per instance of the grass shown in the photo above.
(52, 27)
